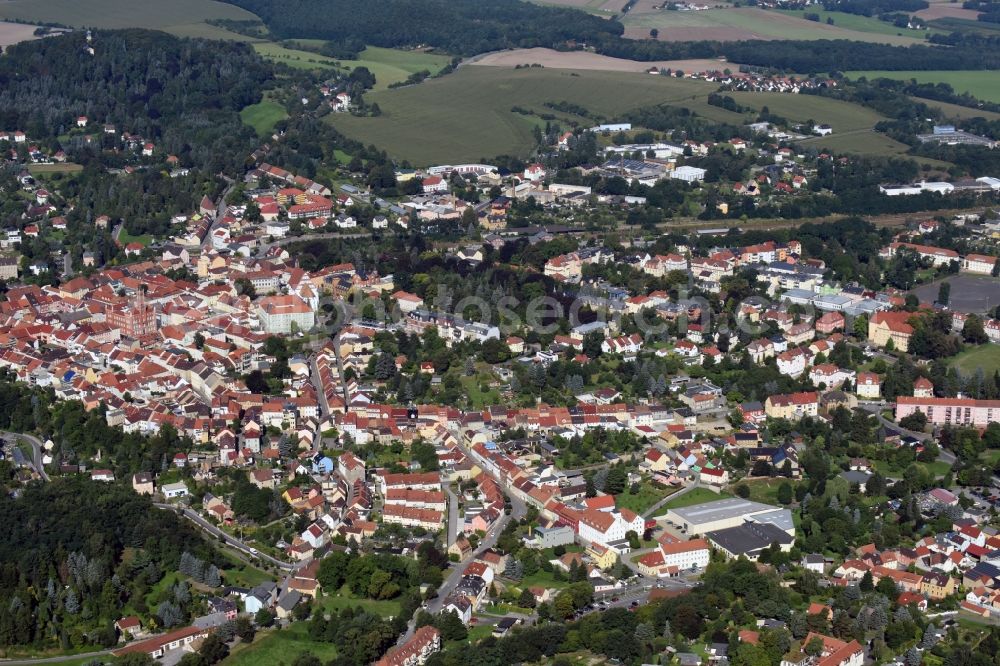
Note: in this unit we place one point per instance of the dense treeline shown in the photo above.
(874, 8)
(467, 27)
(464, 27)
(185, 95)
(74, 553)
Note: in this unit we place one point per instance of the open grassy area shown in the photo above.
(333, 604)
(983, 84)
(692, 497)
(859, 23)
(242, 574)
(937, 468)
(466, 116)
(842, 116)
(957, 111)
(263, 115)
(395, 65)
(477, 396)
(648, 495)
(185, 18)
(294, 57)
(64, 167)
(735, 23)
(279, 647)
(388, 65)
(970, 361)
(125, 238)
(765, 490)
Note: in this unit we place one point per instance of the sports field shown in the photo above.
(185, 18)
(467, 115)
(983, 84)
(736, 23)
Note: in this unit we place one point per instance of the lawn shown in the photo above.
(648, 495)
(334, 603)
(542, 578)
(184, 18)
(280, 647)
(692, 497)
(477, 397)
(476, 121)
(242, 574)
(263, 115)
(124, 238)
(983, 84)
(970, 361)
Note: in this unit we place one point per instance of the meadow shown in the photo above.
(956, 111)
(466, 115)
(970, 361)
(185, 18)
(388, 65)
(478, 121)
(983, 84)
(858, 23)
(279, 647)
(736, 23)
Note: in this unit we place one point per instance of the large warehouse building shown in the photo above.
(725, 513)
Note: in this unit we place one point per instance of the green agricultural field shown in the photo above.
(842, 116)
(956, 111)
(466, 115)
(983, 84)
(970, 361)
(395, 65)
(185, 18)
(732, 23)
(279, 647)
(263, 116)
(294, 57)
(859, 23)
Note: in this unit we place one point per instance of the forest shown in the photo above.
(466, 27)
(74, 554)
(183, 94)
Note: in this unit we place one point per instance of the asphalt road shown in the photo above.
(36, 448)
(452, 515)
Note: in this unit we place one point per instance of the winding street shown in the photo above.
(36, 449)
(232, 541)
